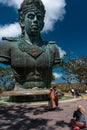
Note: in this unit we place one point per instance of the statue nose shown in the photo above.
(35, 19)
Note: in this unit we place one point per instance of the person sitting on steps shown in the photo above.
(78, 120)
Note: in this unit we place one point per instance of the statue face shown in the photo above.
(34, 22)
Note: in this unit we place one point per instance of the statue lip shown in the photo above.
(34, 26)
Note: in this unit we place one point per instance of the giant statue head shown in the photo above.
(31, 14)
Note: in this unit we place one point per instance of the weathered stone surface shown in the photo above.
(31, 58)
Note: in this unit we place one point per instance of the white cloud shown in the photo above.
(62, 52)
(57, 76)
(14, 3)
(11, 30)
(55, 11)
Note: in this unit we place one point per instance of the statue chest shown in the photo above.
(31, 57)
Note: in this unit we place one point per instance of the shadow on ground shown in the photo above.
(37, 117)
(25, 118)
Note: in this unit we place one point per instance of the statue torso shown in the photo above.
(31, 64)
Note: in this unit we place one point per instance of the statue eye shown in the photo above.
(39, 16)
(31, 16)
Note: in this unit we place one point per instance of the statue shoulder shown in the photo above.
(51, 42)
(9, 42)
(53, 46)
(10, 39)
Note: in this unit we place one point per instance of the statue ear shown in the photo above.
(22, 23)
(42, 25)
(22, 26)
(21, 19)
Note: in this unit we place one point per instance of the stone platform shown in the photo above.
(27, 95)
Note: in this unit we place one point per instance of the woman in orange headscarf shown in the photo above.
(53, 102)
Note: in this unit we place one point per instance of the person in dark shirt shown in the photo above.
(79, 118)
(76, 93)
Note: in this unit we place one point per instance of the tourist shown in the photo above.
(73, 92)
(53, 102)
(78, 120)
(77, 93)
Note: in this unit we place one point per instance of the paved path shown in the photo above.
(37, 117)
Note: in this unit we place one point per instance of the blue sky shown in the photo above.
(71, 32)
(68, 27)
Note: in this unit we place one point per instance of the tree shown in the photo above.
(67, 67)
(81, 70)
(74, 69)
(6, 77)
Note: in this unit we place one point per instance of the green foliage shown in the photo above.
(53, 77)
(74, 69)
(6, 75)
(64, 87)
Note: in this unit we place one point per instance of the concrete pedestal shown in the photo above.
(27, 95)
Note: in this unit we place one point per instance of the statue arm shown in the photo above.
(56, 55)
(55, 52)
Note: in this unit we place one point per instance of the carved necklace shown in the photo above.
(31, 49)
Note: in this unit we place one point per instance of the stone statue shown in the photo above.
(31, 58)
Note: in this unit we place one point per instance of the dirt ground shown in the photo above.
(37, 117)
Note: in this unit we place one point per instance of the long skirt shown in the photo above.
(53, 103)
(77, 124)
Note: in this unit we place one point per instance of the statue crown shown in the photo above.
(27, 5)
